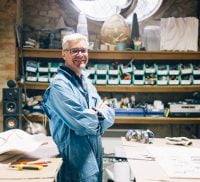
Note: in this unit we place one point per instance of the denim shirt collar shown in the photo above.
(78, 81)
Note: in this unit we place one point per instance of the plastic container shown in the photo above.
(43, 67)
(132, 112)
(43, 77)
(162, 80)
(31, 66)
(101, 69)
(152, 38)
(113, 69)
(186, 69)
(101, 79)
(138, 80)
(149, 68)
(162, 69)
(174, 80)
(174, 69)
(31, 76)
(138, 69)
(113, 79)
(82, 24)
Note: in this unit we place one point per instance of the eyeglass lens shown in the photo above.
(76, 51)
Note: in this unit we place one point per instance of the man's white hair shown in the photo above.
(72, 37)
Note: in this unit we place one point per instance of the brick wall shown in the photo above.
(7, 47)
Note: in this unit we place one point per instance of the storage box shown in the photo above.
(196, 79)
(126, 68)
(101, 79)
(125, 79)
(138, 80)
(130, 112)
(125, 82)
(31, 76)
(154, 113)
(162, 69)
(113, 79)
(196, 69)
(174, 69)
(186, 69)
(101, 69)
(149, 68)
(138, 69)
(53, 67)
(150, 79)
(162, 80)
(43, 77)
(113, 69)
(174, 80)
(91, 69)
(31, 66)
(186, 79)
(43, 67)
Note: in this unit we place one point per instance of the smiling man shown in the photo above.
(77, 115)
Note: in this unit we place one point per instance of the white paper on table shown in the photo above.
(18, 141)
(178, 161)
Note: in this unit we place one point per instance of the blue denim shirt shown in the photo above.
(75, 129)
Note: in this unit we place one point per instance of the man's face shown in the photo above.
(76, 56)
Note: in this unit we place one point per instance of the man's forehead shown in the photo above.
(77, 43)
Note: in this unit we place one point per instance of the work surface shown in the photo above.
(162, 162)
(46, 152)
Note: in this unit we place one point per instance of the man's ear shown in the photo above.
(63, 53)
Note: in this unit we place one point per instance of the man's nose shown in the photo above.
(80, 54)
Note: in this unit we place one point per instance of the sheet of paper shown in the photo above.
(18, 141)
(178, 162)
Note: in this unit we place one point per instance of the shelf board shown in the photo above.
(117, 55)
(148, 88)
(129, 88)
(153, 120)
(34, 85)
(41, 53)
(137, 120)
(147, 55)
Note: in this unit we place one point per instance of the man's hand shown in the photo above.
(101, 106)
(98, 108)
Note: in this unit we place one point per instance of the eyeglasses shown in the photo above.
(75, 51)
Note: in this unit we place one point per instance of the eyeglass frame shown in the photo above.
(79, 50)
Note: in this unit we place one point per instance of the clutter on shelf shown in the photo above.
(32, 112)
(45, 38)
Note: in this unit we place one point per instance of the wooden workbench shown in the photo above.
(46, 152)
(146, 170)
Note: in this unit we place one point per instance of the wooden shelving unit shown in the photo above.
(124, 56)
(129, 88)
(117, 55)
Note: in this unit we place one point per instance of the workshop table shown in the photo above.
(47, 152)
(145, 167)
